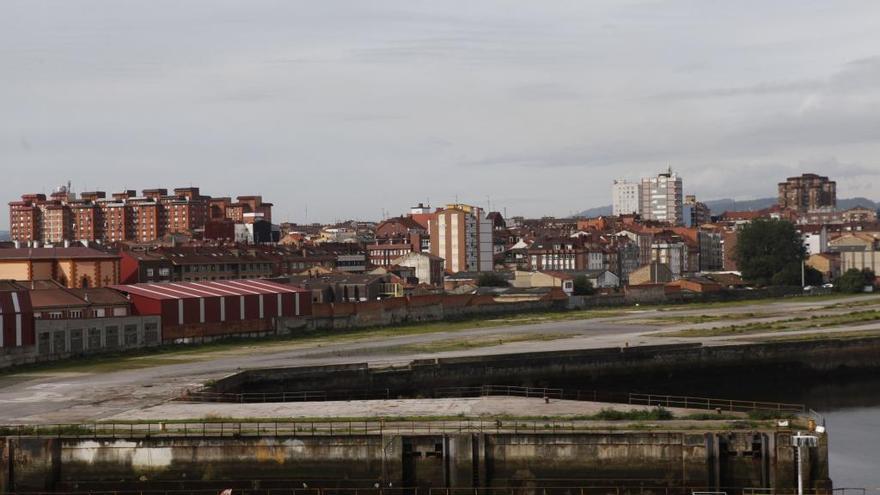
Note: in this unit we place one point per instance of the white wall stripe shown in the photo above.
(15, 304)
(296, 303)
(180, 311)
(18, 330)
(2, 330)
(279, 305)
(222, 308)
(262, 315)
(241, 309)
(201, 310)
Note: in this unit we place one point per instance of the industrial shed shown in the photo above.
(204, 310)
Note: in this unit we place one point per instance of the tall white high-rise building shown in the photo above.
(625, 197)
(661, 198)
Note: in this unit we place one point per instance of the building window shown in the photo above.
(76, 314)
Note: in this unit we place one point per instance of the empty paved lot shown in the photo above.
(83, 395)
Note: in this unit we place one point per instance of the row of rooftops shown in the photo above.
(47, 295)
(180, 193)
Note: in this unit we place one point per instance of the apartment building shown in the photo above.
(661, 198)
(625, 198)
(462, 235)
(124, 216)
(807, 192)
(695, 213)
(396, 237)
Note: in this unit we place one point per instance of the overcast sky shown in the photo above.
(351, 107)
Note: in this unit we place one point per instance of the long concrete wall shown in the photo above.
(581, 366)
(413, 309)
(672, 458)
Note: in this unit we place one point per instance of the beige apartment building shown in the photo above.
(462, 235)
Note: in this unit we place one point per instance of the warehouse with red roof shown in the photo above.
(193, 311)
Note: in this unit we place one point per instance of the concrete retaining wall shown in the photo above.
(414, 309)
(588, 365)
(675, 458)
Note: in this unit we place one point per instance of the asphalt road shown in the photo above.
(61, 397)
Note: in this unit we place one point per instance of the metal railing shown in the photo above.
(714, 404)
(599, 489)
(499, 390)
(662, 400)
(222, 429)
(303, 396)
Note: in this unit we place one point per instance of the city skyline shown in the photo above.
(538, 107)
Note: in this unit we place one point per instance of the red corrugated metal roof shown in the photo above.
(187, 290)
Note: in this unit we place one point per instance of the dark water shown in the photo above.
(854, 438)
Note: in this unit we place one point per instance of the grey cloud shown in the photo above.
(545, 92)
(353, 93)
(763, 89)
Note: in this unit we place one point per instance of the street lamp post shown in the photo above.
(800, 441)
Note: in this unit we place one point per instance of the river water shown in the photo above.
(849, 401)
(853, 446)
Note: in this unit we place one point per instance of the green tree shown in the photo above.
(855, 280)
(766, 247)
(491, 279)
(791, 275)
(582, 286)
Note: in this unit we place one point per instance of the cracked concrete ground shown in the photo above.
(84, 395)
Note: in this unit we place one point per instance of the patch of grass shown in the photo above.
(46, 430)
(818, 336)
(788, 325)
(476, 342)
(656, 414)
(709, 416)
(768, 300)
(762, 415)
(695, 319)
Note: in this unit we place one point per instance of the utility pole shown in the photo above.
(799, 441)
(803, 273)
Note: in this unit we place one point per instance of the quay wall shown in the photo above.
(692, 458)
(577, 367)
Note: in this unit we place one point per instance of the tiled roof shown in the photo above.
(55, 298)
(54, 253)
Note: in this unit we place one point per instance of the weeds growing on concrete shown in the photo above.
(656, 414)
